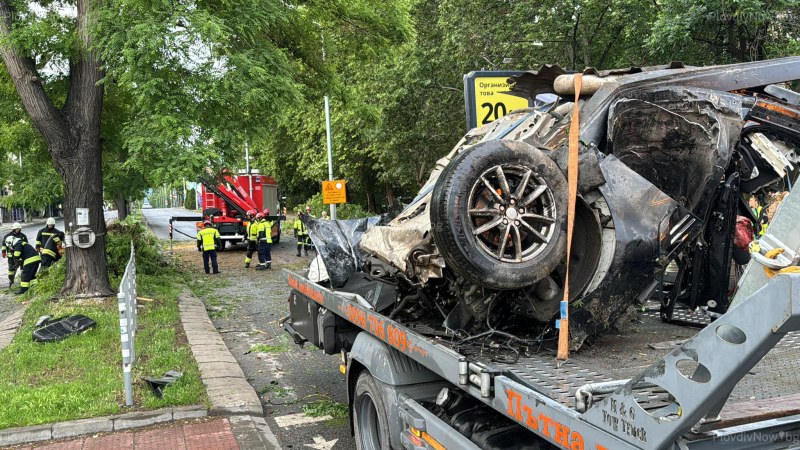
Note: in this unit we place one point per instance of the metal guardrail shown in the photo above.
(128, 322)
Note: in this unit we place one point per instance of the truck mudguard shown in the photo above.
(388, 365)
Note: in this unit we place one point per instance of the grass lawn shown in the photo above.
(81, 376)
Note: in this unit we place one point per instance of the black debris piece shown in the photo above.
(158, 384)
(52, 330)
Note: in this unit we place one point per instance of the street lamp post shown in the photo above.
(328, 128)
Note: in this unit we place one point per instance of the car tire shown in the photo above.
(499, 214)
(370, 417)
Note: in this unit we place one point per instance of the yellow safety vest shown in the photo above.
(300, 227)
(266, 229)
(208, 237)
(252, 230)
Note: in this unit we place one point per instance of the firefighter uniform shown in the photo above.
(8, 250)
(208, 240)
(51, 251)
(252, 241)
(762, 221)
(264, 245)
(28, 259)
(46, 233)
(301, 231)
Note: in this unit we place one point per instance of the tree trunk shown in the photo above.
(87, 273)
(72, 134)
(122, 206)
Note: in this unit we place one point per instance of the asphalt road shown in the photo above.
(158, 219)
(245, 307)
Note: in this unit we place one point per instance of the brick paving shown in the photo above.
(211, 435)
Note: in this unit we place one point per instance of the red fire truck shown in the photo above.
(225, 200)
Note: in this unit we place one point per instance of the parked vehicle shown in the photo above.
(444, 315)
(227, 198)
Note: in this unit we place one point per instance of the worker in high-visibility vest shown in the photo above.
(8, 249)
(252, 237)
(52, 249)
(265, 242)
(760, 214)
(300, 230)
(45, 233)
(208, 241)
(27, 259)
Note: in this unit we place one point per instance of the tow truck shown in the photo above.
(735, 384)
(227, 198)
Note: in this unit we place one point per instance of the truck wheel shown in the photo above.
(499, 214)
(369, 415)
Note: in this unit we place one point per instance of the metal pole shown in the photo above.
(247, 167)
(328, 126)
(330, 151)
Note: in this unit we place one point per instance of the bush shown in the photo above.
(345, 211)
(149, 258)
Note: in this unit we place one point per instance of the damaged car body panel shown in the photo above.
(666, 154)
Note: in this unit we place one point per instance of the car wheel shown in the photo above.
(498, 214)
(369, 415)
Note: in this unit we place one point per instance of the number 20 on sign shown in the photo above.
(486, 97)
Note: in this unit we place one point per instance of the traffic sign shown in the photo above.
(485, 97)
(334, 192)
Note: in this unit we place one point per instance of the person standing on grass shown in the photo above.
(208, 241)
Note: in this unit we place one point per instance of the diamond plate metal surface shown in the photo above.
(627, 354)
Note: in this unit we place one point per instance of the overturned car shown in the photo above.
(667, 155)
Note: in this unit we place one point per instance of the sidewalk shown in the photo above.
(206, 434)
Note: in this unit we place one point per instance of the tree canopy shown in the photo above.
(189, 84)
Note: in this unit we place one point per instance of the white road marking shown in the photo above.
(293, 420)
(321, 444)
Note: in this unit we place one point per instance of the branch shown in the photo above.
(85, 96)
(30, 87)
(449, 88)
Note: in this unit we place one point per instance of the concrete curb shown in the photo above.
(75, 428)
(227, 387)
(10, 325)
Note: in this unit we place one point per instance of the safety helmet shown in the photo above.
(207, 223)
(15, 241)
(251, 212)
(259, 216)
(16, 226)
(308, 209)
(266, 212)
(51, 221)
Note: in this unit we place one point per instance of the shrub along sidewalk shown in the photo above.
(81, 376)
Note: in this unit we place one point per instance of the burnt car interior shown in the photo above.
(669, 158)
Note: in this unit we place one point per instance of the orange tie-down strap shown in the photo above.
(572, 183)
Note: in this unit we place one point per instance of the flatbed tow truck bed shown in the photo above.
(695, 387)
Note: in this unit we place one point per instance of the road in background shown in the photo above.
(158, 220)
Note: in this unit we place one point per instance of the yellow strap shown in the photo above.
(48, 252)
(572, 182)
(773, 254)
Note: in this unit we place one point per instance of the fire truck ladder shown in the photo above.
(223, 195)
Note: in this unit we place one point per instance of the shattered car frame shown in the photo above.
(666, 156)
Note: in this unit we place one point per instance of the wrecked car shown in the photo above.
(667, 155)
